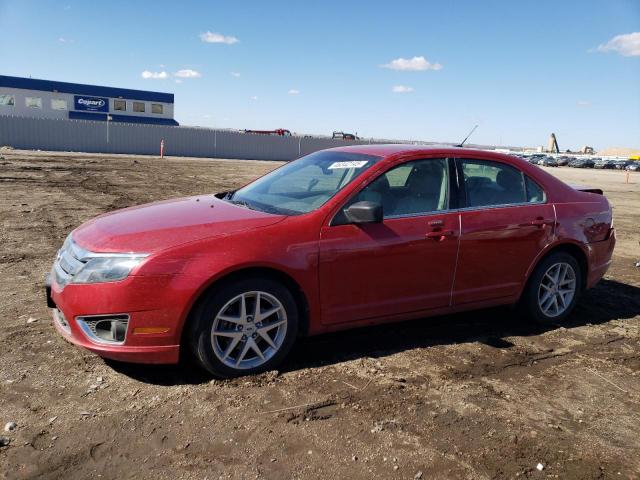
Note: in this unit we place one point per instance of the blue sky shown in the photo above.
(519, 69)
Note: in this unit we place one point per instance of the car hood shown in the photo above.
(157, 226)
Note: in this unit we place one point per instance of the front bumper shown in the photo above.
(124, 353)
(149, 302)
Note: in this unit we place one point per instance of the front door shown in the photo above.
(404, 264)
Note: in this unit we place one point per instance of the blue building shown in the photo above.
(28, 97)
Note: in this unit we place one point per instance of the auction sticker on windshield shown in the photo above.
(354, 164)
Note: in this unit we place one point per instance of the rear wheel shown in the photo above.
(245, 327)
(553, 289)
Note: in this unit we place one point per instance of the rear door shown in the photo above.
(505, 223)
(404, 264)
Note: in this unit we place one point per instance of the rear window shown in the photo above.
(535, 194)
(491, 183)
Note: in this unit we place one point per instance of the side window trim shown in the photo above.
(462, 194)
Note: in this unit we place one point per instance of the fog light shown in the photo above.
(118, 330)
(105, 328)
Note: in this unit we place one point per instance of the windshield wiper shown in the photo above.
(241, 203)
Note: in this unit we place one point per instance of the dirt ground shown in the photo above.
(474, 396)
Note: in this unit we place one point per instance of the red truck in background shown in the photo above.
(281, 132)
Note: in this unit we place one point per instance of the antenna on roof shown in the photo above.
(467, 137)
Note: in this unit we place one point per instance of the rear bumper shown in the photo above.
(600, 254)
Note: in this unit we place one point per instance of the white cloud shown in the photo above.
(414, 64)
(583, 103)
(627, 45)
(177, 80)
(147, 75)
(213, 37)
(64, 40)
(254, 97)
(187, 73)
(293, 91)
(401, 89)
(235, 74)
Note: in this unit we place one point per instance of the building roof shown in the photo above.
(82, 89)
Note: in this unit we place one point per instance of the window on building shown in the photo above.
(7, 100)
(138, 106)
(157, 108)
(58, 104)
(120, 105)
(33, 102)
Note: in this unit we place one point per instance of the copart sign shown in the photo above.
(91, 104)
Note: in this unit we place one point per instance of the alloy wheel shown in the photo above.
(557, 289)
(249, 330)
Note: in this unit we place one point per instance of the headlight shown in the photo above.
(107, 268)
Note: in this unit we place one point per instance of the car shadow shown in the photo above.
(609, 300)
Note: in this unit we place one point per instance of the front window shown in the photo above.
(305, 184)
(138, 106)
(157, 108)
(120, 105)
(413, 188)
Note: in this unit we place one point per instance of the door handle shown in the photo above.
(440, 234)
(541, 222)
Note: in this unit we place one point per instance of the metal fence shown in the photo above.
(103, 137)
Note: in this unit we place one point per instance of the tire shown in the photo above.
(537, 302)
(233, 350)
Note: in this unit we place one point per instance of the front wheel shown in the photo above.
(553, 289)
(245, 327)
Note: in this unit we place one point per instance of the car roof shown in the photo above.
(392, 149)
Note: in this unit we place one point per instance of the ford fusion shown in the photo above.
(340, 238)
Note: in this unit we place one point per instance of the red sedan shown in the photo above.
(340, 238)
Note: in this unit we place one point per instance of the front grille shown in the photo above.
(69, 261)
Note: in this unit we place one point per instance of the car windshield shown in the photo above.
(304, 184)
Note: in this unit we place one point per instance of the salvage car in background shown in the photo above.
(547, 162)
(344, 136)
(341, 238)
(633, 167)
(604, 164)
(582, 163)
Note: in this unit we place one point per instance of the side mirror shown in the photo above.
(364, 212)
